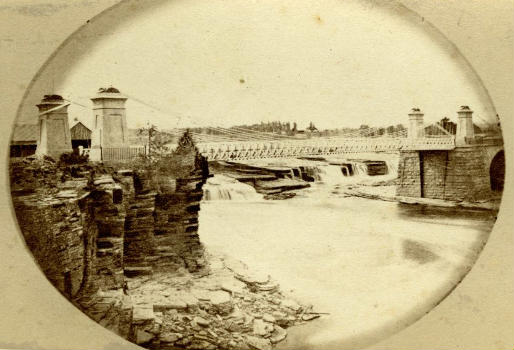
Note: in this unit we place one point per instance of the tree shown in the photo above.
(399, 127)
(448, 125)
(155, 141)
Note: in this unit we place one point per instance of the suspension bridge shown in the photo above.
(244, 143)
(238, 143)
(467, 167)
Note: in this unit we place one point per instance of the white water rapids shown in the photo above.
(222, 187)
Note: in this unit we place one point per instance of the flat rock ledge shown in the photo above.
(231, 307)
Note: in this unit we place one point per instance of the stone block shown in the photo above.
(142, 314)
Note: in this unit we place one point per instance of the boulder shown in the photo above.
(201, 321)
(267, 287)
(221, 302)
(253, 277)
(143, 337)
(261, 327)
(103, 180)
(310, 317)
(268, 318)
(258, 343)
(233, 286)
(66, 194)
(142, 314)
(290, 304)
(189, 299)
(170, 337)
(278, 334)
(170, 303)
(197, 344)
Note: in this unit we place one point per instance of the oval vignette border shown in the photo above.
(506, 197)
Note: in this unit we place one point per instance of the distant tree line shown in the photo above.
(291, 129)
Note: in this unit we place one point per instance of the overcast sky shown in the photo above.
(216, 62)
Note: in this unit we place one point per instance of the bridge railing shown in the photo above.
(293, 148)
(430, 143)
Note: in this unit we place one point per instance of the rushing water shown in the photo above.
(222, 187)
(374, 266)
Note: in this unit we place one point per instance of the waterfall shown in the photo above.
(221, 187)
(359, 169)
(350, 172)
(392, 168)
(330, 174)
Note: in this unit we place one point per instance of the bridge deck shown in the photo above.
(287, 149)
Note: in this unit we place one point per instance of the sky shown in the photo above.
(187, 63)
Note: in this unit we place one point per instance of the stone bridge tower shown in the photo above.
(416, 126)
(471, 169)
(465, 129)
(109, 121)
(54, 136)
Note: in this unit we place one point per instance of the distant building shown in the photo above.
(80, 136)
(24, 140)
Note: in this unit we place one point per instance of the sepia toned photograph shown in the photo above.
(256, 174)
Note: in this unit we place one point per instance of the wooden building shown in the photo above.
(24, 140)
(80, 136)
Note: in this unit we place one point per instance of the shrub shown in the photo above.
(73, 158)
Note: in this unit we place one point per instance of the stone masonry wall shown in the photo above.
(435, 170)
(409, 182)
(467, 176)
(459, 175)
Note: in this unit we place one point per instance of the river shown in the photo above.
(373, 266)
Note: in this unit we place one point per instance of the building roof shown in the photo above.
(25, 133)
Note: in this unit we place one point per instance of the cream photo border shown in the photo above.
(478, 314)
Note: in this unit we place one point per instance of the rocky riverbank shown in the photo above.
(226, 306)
(387, 192)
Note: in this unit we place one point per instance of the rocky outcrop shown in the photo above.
(123, 246)
(176, 225)
(53, 230)
(231, 307)
(76, 235)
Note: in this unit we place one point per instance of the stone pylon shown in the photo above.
(416, 126)
(465, 130)
(109, 122)
(54, 136)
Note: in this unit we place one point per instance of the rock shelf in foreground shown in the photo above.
(227, 307)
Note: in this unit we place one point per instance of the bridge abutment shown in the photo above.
(471, 170)
(462, 174)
